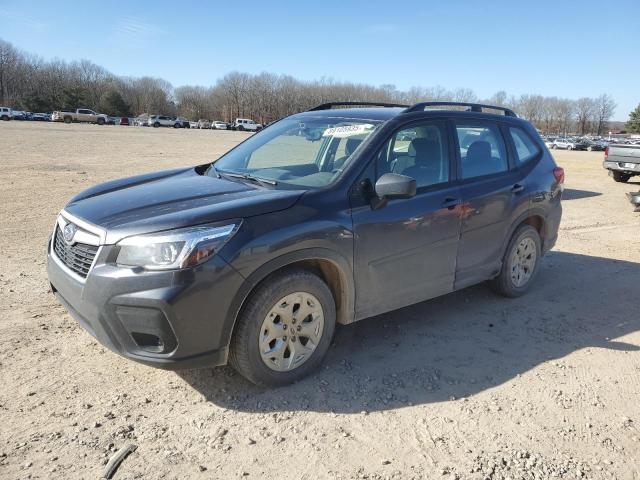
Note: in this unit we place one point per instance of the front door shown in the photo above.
(405, 251)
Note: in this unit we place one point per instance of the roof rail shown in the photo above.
(473, 107)
(328, 106)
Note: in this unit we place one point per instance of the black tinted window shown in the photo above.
(526, 149)
(482, 149)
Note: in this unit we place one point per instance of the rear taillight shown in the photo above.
(606, 152)
(558, 172)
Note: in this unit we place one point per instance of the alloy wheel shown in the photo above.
(523, 262)
(291, 331)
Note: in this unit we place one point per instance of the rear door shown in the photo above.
(491, 192)
(405, 252)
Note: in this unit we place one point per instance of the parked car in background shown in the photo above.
(80, 115)
(19, 115)
(549, 141)
(124, 121)
(622, 161)
(164, 121)
(41, 117)
(254, 258)
(563, 144)
(203, 123)
(246, 124)
(184, 123)
(193, 124)
(596, 146)
(218, 125)
(6, 113)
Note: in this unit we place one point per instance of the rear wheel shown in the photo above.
(101, 121)
(241, 128)
(67, 119)
(284, 329)
(621, 177)
(156, 125)
(520, 263)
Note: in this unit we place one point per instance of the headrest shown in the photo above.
(425, 150)
(479, 151)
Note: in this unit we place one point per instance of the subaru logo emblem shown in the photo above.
(68, 232)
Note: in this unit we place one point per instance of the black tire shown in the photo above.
(621, 177)
(68, 119)
(5, 118)
(100, 121)
(241, 128)
(503, 283)
(156, 125)
(244, 352)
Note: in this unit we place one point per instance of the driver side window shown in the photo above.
(420, 151)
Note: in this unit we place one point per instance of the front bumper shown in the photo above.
(171, 319)
(627, 167)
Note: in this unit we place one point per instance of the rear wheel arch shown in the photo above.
(533, 218)
(330, 266)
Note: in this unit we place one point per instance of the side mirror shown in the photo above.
(393, 185)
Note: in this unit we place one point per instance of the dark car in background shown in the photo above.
(328, 216)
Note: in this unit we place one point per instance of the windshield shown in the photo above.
(306, 152)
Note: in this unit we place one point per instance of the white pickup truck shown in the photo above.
(80, 115)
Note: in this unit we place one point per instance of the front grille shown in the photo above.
(78, 257)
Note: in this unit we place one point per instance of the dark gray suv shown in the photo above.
(327, 216)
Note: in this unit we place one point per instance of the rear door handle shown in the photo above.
(517, 188)
(451, 203)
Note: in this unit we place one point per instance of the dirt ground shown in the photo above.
(469, 385)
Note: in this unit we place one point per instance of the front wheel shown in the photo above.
(285, 328)
(101, 121)
(589, 149)
(621, 177)
(520, 263)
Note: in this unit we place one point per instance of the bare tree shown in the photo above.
(605, 106)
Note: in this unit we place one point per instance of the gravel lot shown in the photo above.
(465, 386)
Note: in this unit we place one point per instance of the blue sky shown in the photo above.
(564, 48)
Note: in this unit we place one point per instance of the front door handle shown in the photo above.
(451, 203)
(517, 188)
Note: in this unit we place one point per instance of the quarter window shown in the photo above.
(482, 149)
(526, 149)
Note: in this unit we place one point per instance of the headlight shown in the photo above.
(173, 249)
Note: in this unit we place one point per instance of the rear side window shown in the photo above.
(482, 149)
(526, 149)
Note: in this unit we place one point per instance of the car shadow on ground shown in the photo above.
(573, 194)
(454, 346)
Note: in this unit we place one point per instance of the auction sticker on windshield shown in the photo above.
(347, 130)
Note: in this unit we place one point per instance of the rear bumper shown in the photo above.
(631, 167)
(171, 320)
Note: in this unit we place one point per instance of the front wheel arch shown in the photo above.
(329, 265)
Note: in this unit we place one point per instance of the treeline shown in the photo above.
(30, 83)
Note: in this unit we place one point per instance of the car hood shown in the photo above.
(172, 199)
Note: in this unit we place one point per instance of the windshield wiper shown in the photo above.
(246, 176)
